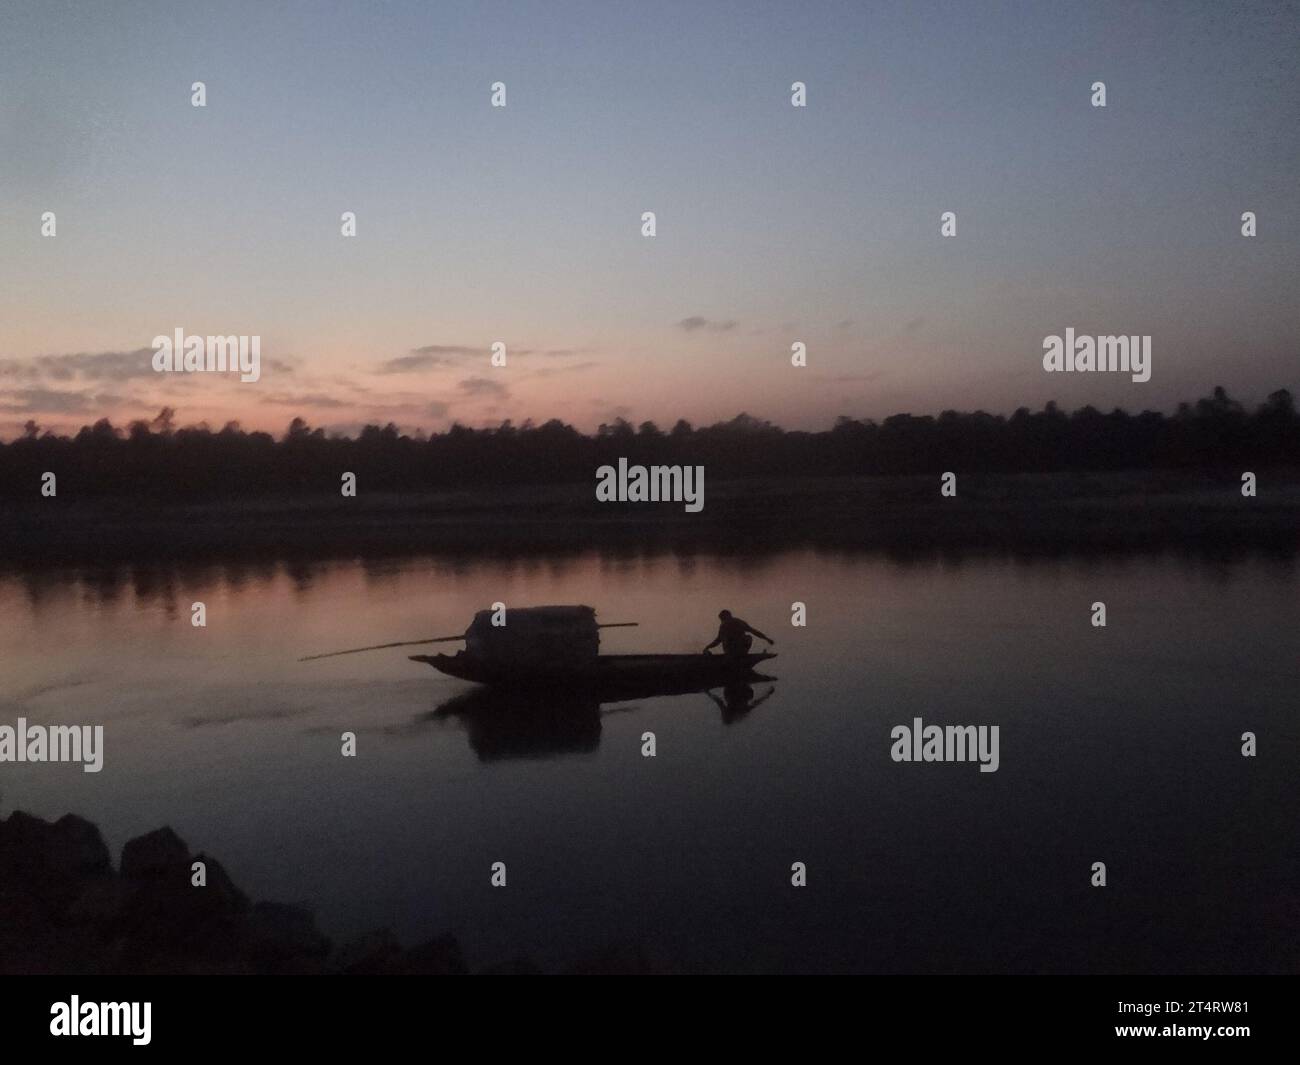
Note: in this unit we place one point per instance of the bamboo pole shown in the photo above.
(436, 639)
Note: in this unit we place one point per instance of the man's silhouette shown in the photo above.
(738, 700)
(734, 635)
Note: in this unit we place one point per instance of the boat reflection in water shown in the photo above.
(517, 724)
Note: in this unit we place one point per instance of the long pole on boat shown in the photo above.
(382, 646)
(437, 639)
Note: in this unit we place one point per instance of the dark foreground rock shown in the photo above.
(65, 910)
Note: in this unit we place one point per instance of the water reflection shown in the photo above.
(171, 584)
(1122, 743)
(510, 725)
(738, 700)
(505, 725)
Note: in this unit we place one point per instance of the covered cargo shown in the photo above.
(538, 636)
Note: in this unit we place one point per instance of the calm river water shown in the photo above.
(1119, 745)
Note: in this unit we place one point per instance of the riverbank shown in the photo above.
(1029, 512)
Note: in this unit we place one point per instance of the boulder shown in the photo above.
(284, 939)
(170, 925)
(618, 959)
(55, 861)
(374, 952)
(153, 855)
(435, 957)
(519, 966)
(101, 905)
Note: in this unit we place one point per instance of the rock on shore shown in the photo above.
(65, 910)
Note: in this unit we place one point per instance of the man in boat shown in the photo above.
(736, 636)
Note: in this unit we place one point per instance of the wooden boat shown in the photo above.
(606, 676)
(551, 655)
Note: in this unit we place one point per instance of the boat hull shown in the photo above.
(612, 676)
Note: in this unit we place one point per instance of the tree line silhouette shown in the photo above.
(158, 459)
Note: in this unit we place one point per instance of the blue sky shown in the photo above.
(522, 224)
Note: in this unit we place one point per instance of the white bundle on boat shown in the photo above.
(535, 636)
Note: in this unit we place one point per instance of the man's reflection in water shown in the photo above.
(738, 700)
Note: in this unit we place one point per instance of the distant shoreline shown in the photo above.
(1050, 513)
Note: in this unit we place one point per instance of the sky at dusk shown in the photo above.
(522, 224)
